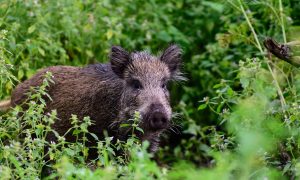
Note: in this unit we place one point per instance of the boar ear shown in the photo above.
(119, 59)
(172, 57)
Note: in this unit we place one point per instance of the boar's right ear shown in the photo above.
(172, 57)
(119, 59)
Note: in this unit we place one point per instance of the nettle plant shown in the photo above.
(22, 148)
(6, 77)
(260, 127)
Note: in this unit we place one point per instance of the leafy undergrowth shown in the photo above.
(245, 127)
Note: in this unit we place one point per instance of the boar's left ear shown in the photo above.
(172, 57)
(119, 60)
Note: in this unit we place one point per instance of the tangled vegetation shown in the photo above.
(239, 111)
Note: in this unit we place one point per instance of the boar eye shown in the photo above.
(136, 84)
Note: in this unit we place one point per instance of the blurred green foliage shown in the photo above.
(239, 111)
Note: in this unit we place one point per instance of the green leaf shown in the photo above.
(20, 74)
(245, 82)
(217, 86)
(202, 106)
(76, 132)
(124, 125)
(230, 92)
(140, 129)
(31, 29)
(70, 152)
(109, 34)
(164, 36)
(215, 6)
(94, 136)
(41, 51)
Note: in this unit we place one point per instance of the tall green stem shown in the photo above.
(282, 22)
(251, 27)
(279, 91)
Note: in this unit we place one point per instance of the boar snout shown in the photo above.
(158, 121)
(157, 117)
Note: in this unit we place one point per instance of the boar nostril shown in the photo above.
(158, 120)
